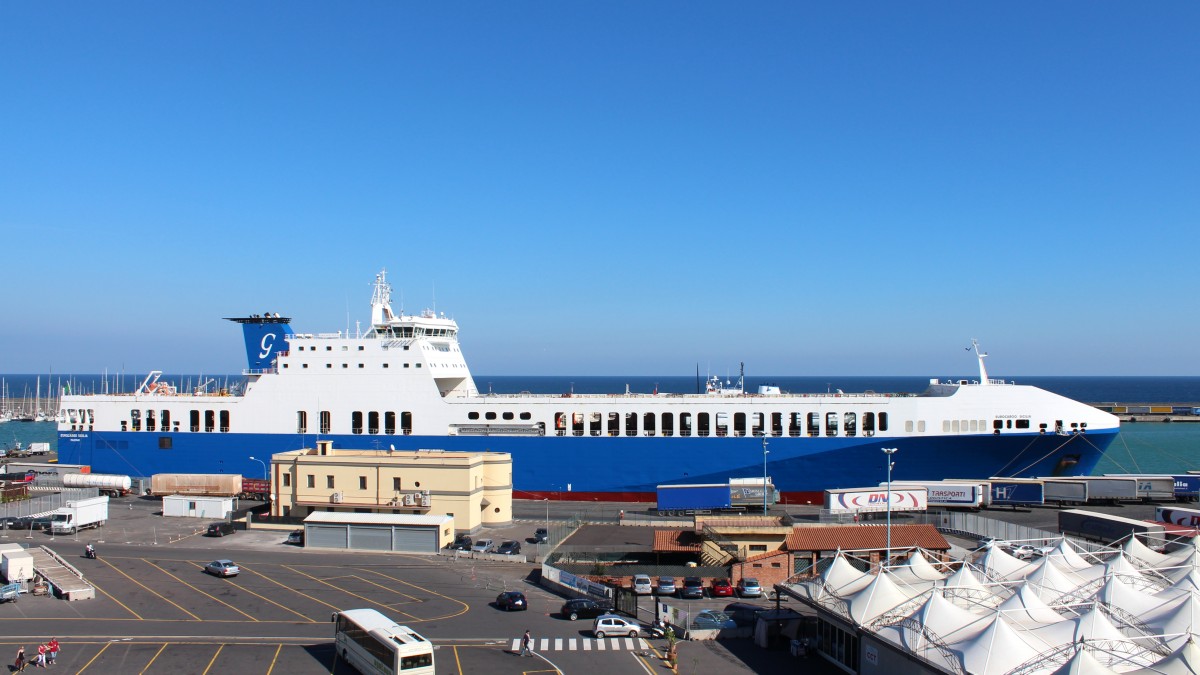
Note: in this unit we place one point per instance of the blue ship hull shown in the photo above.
(624, 465)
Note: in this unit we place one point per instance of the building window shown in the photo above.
(396, 484)
(329, 482)
(362, 482)
(287, 480)
(312, 481)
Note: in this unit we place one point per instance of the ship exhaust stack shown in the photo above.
(266, 335)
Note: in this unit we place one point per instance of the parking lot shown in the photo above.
(157, 611)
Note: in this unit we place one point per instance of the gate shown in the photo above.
(625, 601)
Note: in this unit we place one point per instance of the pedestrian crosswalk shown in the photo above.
(615, 644)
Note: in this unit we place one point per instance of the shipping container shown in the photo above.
(207, 484)
(874, 499)
(1065, 491)
(1187, 487)
(739, 494)
(1017, 492)
(1151, 487)
(1177, 516)
(1164, 409)
(1106, 528)
(947, 494)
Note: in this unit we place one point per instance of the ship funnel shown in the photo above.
(265, 336)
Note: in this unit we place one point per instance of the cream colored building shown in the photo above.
(475, 488)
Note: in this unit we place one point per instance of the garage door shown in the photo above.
(371, 537)
(414, 539)
(325, 536)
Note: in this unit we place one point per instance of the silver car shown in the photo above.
(222, 568)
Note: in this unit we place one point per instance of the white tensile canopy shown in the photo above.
(1002, 565)
(1024, 608)
(1050, 581)
(1184, 661)
(842, 578)
(1120, 593)
(943, 621)
(1177, 621)
(996, 650)
(1135, 549)
(881, 596)
(1065, 555)
(1083, 663)
(916, 570)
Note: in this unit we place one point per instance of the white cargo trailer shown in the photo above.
(947, 494)
(875, 499)
(108, 484)
(79, 514)
(1151, 487)
(1065, 491)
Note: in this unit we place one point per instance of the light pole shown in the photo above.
(264, 467)
(765, 453)
(889, 452)
(546, 500)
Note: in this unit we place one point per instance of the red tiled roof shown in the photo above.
(864, 537)
(676, 541)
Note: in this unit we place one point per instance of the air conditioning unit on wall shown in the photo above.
(408, 500)
(336, 498)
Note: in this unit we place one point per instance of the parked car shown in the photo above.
(541, 535)
(743, 613)
(1022, 551)
(1043, 551)
(642, 585)
(461, 543)
(611, 624)
(666, 586)
(28, 523)
(749, 588)
(296, 537)
(583, 608)
(693, 587)
(509, 548)
(222, 568)
(986, 541)
(220, 529)
(511, 600)
(482, 546)
(721, 588)
(709, 619)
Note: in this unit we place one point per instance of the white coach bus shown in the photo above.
(373, 643)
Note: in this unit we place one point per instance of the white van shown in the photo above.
(642, 585)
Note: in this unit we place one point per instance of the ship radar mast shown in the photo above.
(983, 376)
(381, 301)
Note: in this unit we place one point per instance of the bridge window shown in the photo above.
(614, 424)
(814, 424)
(758, 425)
(150, 426)
(389, 423)
(224, 421)
(326, 421)
(703, 425)
(301, 422)
(356, 422)
(883, 419)
(631, 424)
(135, 417)
(795, 424)
(685, 424)
(831, 424)
(776, 424)
(648, 423)
(868, 424)
(406, 426)
(166, 420)
(850, 424)
(739, 424)
(594, 423)
(194, 420)
(668, 424)
(210, 420)
(373, 422)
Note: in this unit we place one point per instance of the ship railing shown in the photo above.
(259, 371)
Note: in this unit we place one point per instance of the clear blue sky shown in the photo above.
(609, 187)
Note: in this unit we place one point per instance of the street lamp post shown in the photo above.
(546, 500)
(764, 486)
(889, 452)
(264, 464)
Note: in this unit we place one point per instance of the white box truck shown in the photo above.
(79, 514)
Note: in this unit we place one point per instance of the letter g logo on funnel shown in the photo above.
(268, 341)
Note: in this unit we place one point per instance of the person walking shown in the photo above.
(19, 664)
(526, 641)
(40, 660)
(52, 651)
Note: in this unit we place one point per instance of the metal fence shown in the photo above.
(41, 503)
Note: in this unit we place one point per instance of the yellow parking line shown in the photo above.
(334, 607)
(464, 605)
(114, 599)
(214, 660)
(457, 662)
(278, 648)
(93, 659)
(243, 589)
(282, 585)
(160, 650)
(106, 562)
(390, 590)
(200, 591)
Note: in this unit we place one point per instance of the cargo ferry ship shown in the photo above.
(403, 384)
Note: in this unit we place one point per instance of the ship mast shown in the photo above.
(381, 301)
(983, 376)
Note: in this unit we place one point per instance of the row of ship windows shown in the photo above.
(719, 424)
(357, 418)
(208, 420)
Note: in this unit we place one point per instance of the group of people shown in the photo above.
(47, 654)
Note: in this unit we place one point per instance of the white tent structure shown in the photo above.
(1060, 614)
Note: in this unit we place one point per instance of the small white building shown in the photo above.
(191, 506)
(16, 564)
